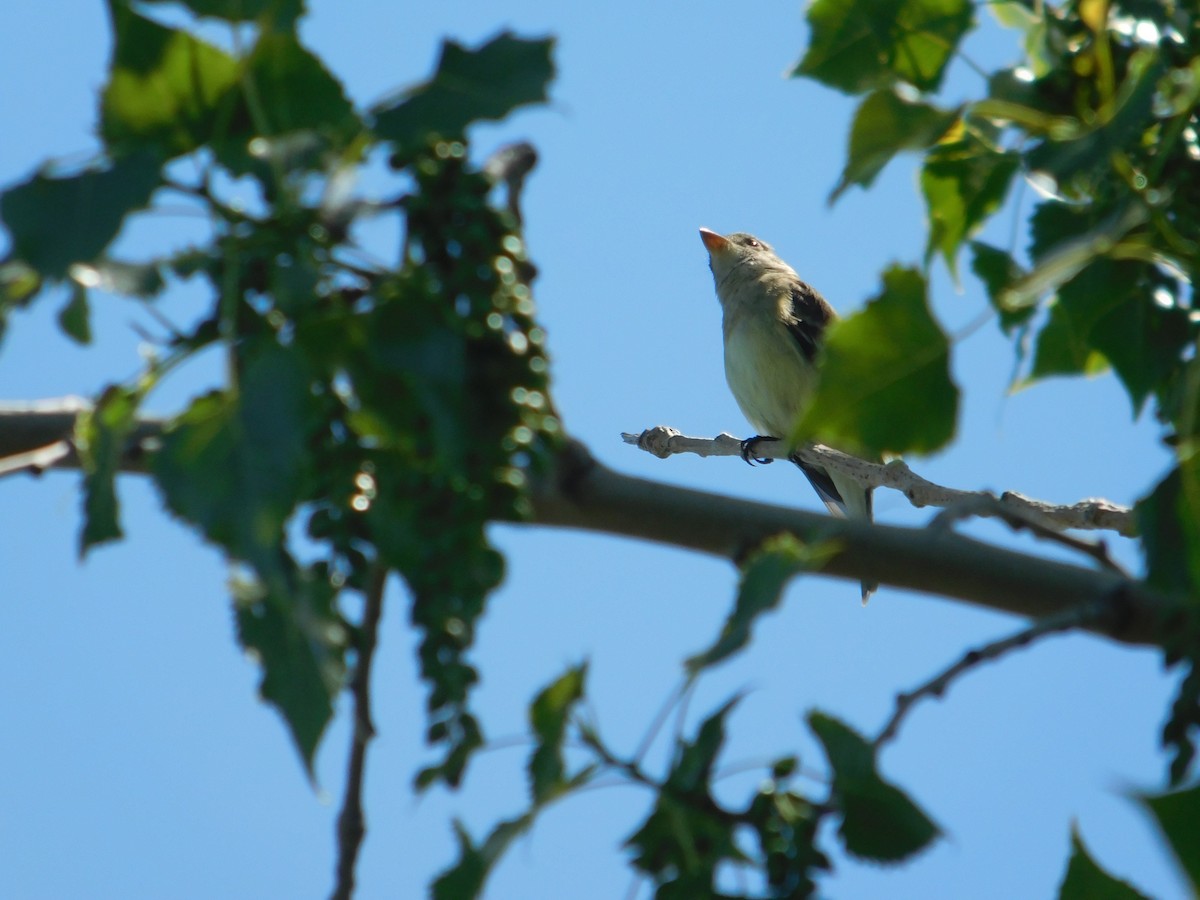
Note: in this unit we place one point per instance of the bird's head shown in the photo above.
(738, 252)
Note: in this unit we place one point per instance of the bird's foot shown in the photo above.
(750, 444)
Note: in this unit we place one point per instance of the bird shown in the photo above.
(773, 323)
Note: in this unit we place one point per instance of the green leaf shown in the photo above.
(281, 13)
(1131, 115)
(467, 877)
(549, 715)
(1170, 543)
(75, 318)
(1063, 347)
(291, 625)
(687, 836)
(18, 283)
(879, 821)
(694, 761)
(859, 45)
(1066, 240)
(1143, 342)
(235, 464)
(101, 437)
(884, 125)
(786, 824)
(998, 270)
(1107, 315)
(55, 222)
(298, 112)
(1177, 815)
(167, 90)
(764, 576)
(1087, 881)
(963, 184)
(469, 85)
(880, 365)
(1066, 345)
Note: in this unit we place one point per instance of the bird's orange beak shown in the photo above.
(713, 241)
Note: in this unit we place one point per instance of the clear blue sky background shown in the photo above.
(136, 760)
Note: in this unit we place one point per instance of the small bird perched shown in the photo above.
(773, 323)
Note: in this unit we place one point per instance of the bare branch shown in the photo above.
(936, 686)
(1091, 514)
(351, 822)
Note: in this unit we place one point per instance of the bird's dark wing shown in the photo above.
(824, 487)
(810, 313)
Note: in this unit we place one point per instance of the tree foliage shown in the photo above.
(378, 416)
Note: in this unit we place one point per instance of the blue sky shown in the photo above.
(137, 760)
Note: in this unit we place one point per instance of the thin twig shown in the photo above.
(936, 686)
(1091, 514)
(36, 461)
(351, 823)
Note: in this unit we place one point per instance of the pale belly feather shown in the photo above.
(768, 375)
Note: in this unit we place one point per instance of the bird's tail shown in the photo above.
(846, 499)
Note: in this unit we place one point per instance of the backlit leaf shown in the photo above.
(860, 45)
(885, 376)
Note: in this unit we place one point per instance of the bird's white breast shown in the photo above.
(768, 375)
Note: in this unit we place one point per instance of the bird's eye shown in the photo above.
(753, 243)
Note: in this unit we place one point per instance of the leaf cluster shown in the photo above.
(372, 413)
(1100, 120)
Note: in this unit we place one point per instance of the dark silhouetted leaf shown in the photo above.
(55, 222)
(1177, 815)
(167, 91)
(101, 436)
(998, 270)
(885, 384)
(75, 318)
(1142, 342)
(1087, 881)
(469, 85)
(879, 821)
(235, 464)
(289, 621)
(884, 125)
(1063, 347)
(1169, 542)
(786, 824)
(549, 715)
(687, 837)
(764, 576)
(859, 45)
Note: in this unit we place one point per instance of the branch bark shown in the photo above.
(582, 493)
(352, 826)
(1090, 514)
(585, 494)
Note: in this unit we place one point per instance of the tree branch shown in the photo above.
(585, 494)
(1091, 514)
(351, 822)
(581, 493)
(936, 686)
